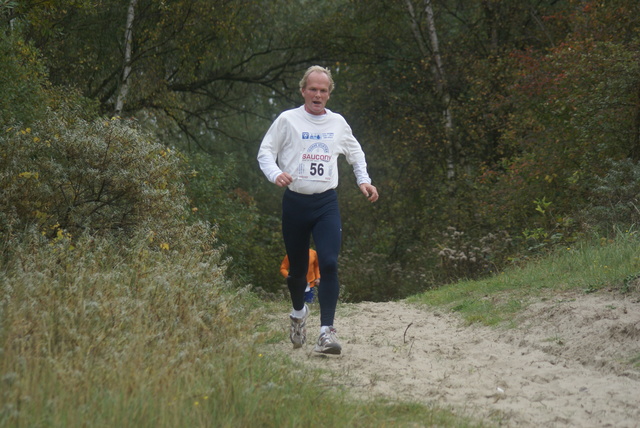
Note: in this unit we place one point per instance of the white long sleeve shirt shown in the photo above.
(307, 146)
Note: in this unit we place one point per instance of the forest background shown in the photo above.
(494, 129)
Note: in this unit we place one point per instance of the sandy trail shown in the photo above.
(569, 363)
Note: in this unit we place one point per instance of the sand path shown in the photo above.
(572, 361)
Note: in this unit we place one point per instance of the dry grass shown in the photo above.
(103, 334)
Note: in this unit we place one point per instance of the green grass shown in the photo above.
(584, 268)
(99, 334)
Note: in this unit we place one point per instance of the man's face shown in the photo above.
(316, 92)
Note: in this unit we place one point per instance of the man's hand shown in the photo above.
(369, 191)
(284, 179)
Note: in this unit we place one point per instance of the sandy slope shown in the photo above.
(568, 364)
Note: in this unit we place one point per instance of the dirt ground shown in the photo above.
(572, 362)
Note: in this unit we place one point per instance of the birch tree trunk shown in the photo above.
(430, 50)
(126, 69)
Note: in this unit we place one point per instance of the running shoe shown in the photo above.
(328, 343)
(298, 333)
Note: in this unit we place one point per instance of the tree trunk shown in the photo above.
(635, 143)
(126, 69)
(442, 90)
(492, 22)
(415, 29)
(430, 50)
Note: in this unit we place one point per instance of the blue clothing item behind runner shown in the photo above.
(317, 215)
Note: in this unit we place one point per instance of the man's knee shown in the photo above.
(328, 267)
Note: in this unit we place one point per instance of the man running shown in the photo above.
(299, 152)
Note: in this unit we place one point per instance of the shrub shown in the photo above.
(615, 198)
(88, 317)
(373, 277)
(99, 176)
(462, 257)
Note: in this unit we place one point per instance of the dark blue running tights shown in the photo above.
(302, 217)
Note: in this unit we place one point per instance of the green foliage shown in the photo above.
(196, 66)
(22, 82)
(101, 176)
(542, 96)
(568, 117)
(252, 240)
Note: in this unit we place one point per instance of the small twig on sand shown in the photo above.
(404, 338)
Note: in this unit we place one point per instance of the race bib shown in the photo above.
(315, 163)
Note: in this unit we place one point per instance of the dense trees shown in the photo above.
(489, 125)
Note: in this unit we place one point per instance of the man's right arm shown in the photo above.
(268, 153)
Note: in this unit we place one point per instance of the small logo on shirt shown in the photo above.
(317, 136)
(318, 147)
